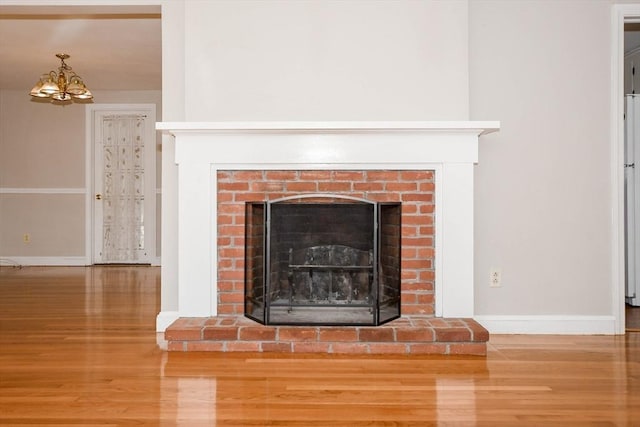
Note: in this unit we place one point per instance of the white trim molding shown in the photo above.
(73, 261)
(17, 190)
(554, 325)
(620, 13)
(165, 318)
(448, 148)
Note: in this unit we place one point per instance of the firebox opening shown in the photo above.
(322, 260)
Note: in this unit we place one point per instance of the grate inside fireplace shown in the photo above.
(322, 260)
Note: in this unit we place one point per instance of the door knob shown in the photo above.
(98, 196)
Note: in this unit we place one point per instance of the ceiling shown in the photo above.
(111, 48)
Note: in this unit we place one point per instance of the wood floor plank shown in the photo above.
(78, 348)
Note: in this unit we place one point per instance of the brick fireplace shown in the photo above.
(414, 189)
(426, 166)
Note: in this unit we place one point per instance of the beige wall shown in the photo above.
(42, 175)
(35, 215)
(37, 137)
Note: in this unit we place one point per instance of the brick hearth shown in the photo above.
(407, 335)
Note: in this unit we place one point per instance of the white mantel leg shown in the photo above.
(196, 216)
(456, 196)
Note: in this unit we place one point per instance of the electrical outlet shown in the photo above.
(495, 278)
(26, 238)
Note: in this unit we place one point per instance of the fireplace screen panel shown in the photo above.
(255, 220)
(389, 261)
(334, 261)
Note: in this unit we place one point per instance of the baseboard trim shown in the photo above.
(53, 261)
(9, 190)
(164, 319)
(554, 324)
(45, 261)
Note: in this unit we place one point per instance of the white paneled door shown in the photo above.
(124, 185)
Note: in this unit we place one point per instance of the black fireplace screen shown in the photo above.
(322, 260)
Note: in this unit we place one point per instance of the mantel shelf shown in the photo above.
(476, 127)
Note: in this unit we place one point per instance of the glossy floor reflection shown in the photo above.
(78, 347)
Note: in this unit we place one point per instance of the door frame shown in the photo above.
(621, 13)
(90, 191)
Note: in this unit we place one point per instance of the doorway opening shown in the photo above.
(625, 244)
(129, 36)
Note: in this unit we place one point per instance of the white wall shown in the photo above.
(173, 109)
(543, 197)
(326, 60)
(542, 68)
(291, 60)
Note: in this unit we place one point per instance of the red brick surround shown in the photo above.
(417, 332)
(415, 189)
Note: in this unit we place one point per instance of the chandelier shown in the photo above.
(64, 86)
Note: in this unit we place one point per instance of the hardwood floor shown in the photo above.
(632, 318)
(78, 348)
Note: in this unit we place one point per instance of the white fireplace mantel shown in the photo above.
(448, 148)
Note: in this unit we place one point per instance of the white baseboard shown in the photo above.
(164, 319)
(44, 260)
(53, 261)
(557, 325)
